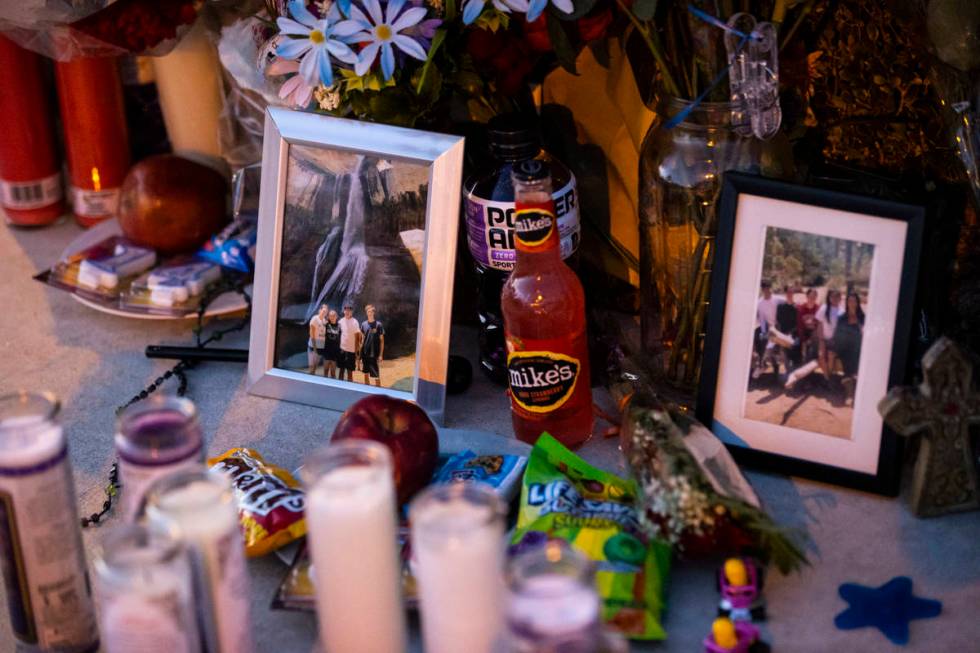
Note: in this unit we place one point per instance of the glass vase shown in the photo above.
(680, 182)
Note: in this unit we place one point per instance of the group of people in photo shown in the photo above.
(797, 338)
(343, 345)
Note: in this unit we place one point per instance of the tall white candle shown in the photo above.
(351, 526)
(457, 548)
(198, 508)
(189, 85)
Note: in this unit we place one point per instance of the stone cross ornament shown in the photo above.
(943, 408)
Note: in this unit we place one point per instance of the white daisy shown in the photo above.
(317, 40)
(382, 31)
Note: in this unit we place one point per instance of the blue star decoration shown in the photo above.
(888, 608)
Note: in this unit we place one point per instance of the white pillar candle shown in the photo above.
(189, 86)
(457, 551)
(351, 529)
(198, 508)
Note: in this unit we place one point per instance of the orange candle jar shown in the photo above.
(30, 176)
(96, 142)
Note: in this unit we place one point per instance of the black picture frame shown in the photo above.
(886, 480)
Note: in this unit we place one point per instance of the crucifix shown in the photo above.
(943, 407)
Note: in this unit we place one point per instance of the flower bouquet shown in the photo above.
(411, 62)
(692, 494)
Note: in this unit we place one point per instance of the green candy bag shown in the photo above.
(563, 497)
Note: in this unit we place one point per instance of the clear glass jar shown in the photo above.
(155, 437)
(553, 605)
(352, 537)
(680, 183)
(144, 591)
(457, 561)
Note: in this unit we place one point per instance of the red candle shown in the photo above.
(96, 142)
(30, 175)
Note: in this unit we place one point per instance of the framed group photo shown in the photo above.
(354, 268)
(810, 316)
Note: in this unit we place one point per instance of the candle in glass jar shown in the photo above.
(43, 563)
(154, 438)
(198, 508)
(96, 142)
(144, 593)
(457, 555)
(552, 602)
(352, 539)
(30, 172)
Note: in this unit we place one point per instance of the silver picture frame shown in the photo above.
(443, 155)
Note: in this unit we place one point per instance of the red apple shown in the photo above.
(172, 204)
(401, 426)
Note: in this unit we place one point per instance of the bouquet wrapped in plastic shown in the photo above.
(65, 29)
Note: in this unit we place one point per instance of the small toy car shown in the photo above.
(740, 585)
(729, 636)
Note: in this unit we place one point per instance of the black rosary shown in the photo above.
(228, 283)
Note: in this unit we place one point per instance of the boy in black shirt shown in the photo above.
(371, 347)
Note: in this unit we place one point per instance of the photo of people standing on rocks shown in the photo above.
(350, 277)
(809, 326)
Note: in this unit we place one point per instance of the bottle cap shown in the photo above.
(513, 137)
(531, 170)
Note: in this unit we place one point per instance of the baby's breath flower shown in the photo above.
(327, 97)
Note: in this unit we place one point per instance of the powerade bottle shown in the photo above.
(489, 213)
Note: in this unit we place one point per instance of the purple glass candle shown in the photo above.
(155, 438)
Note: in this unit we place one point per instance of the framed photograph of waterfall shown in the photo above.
(354, 264)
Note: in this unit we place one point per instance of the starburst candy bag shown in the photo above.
(565, 498)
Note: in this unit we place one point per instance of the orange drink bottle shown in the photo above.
(544, 321)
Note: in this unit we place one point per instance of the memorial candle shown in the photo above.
(96, 142)
(458, 552)
(154, 438)
(198, 508)
(189, 86)
(553, 604)
(144, 592)
(30, 171)
(40, 540)
(351, 524)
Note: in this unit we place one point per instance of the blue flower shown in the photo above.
(382, 31)
(315, 41)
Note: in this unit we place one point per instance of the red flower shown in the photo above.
(536, 35)
(595, 25)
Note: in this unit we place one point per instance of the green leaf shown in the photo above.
(581, 7)
(437, 40)
(492, 19)
(450, 10)
(560, 41)
(644, 9)
(600, 50)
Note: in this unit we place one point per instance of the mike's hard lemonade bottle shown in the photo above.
(544, 321)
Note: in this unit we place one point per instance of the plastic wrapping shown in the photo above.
(66, 29)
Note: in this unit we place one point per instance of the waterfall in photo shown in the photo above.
(347, 278)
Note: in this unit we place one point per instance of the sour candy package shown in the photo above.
(565, 498)
(270, 501)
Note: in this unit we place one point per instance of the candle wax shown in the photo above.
(458, 550)
(350, 516)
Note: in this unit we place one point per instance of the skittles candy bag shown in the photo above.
(565, 498)
(270, 501)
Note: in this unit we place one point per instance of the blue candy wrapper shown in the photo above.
(502, 472)
(233, 247)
